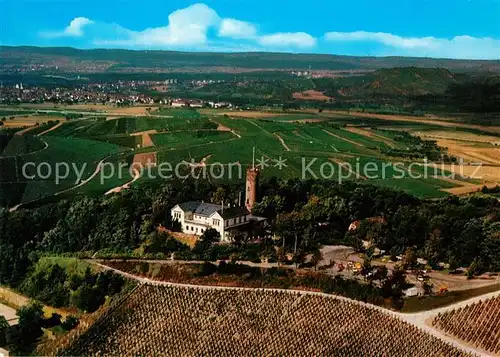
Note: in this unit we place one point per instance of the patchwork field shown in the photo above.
(288, 145)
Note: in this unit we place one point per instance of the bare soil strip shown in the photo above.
(139, 133)
(459, 136)
(221, 127)
(147, 141)
(145, 159)
(405, 118)
(282, 142)
(342, 138)
(370, 134)
(146, 138)
(311, 94)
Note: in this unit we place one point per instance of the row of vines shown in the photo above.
(187, 321)
(477, 324)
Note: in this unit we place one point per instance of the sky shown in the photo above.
(468, 29)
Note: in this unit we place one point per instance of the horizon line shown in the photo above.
(247, 52)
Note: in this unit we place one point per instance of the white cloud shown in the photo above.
(186, 27)
(465, 47)
(74, 29)
(237, 29)
(287, 39)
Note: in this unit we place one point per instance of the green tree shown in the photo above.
(220, 195)
(427, 286)
(3, 323)
(316, 258)
(22, 340)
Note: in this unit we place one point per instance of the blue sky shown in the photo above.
(433, 28)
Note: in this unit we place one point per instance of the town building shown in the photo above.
(196, 217)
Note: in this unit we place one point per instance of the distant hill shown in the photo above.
(64, 59)
(409, 81)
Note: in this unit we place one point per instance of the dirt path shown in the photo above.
(424, 319)
(225, 128)
(50, 129)
(16, 300)
(282, 142)
(83, 182)
(418, 319)
(341, 138)
(370, 134)
(137, 175)
(9, 313)
(24, 131)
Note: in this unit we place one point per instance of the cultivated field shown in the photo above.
(228, 137)
(477, 324)
(102, 108)
(28, 120)
(484, 153)
(311, 95)
(190, 321)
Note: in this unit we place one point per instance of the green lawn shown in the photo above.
(424, 303)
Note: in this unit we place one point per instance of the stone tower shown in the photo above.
(251, 187)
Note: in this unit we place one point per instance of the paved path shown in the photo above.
(417, 319)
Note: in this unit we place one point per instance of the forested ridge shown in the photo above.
(459, 231)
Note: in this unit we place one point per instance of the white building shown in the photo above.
(196, 217)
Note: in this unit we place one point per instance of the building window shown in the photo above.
(192, 228)
(216, 222)
(202, 230)
(196, 229)
(187, 228)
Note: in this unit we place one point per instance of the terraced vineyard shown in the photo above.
(127, 125)
(21, 145)
(477, 324)
(187, 321)
(190, 138)
(324, 144)
(18, 185)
